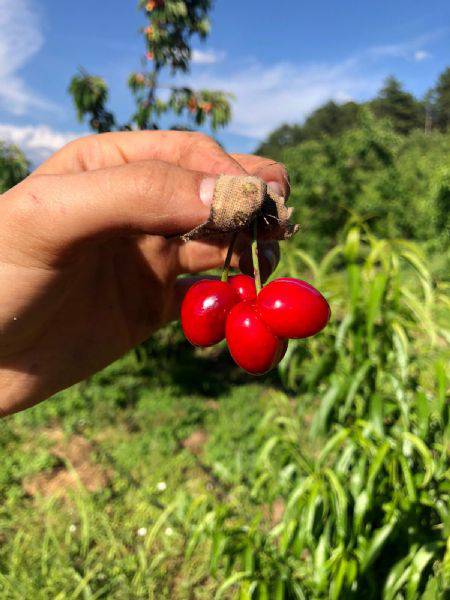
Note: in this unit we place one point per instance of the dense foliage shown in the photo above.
(398, 184)
(170, 27)
(405, 113)
(13, 166)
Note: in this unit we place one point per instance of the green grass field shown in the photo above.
(87, 480)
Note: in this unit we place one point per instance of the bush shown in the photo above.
(13, 166)
(399, 185)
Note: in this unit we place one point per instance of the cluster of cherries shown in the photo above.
(257, 326)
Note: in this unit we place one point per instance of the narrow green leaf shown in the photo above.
(230, 582)
(425, 454)
(335, 441)
(423, 413)
(408, 478)
(338, 580)
(376, 413)
(352, 244)
(422, 558)
(319, 423)
(375, 301)
(340, 503)
(377, 543)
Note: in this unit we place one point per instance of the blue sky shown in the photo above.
(281, 59)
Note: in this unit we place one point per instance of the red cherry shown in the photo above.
(292, 308)
(204, 311)
(244, 286)
(251, 343)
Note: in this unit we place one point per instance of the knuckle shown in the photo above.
(88, 152)
(198, 137)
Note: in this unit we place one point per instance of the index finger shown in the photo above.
(189, 150)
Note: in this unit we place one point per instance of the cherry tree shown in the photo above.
(170, 26)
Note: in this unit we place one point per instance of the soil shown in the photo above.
(77, 468)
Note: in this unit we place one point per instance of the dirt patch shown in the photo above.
(273, 514)
(195, 442)
(212, 404)
(278, 508)
(78, 470)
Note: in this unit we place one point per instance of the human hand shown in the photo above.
(88, 269)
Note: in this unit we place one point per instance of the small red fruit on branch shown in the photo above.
(152, 4)
(293, 308)
(251, 343)
(256, 321)
(206, 107)
(244, 286)
(192, 104)
(205, 310)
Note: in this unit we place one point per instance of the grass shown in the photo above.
(88, 479)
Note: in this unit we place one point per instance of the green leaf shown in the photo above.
(408, 478)
(352, 244)
(375, 301)
(354, 285)
(377, 543)
(423, 408)
(420, 561)
(338, 579)
(355, 383)
(376, 413)
(340, 503)
(398, 575)
(230, 582)
(308, 261)
(335, 441)
(401, 344)
(319, 423)
(360, 509)
(425, 454)
(376, 466)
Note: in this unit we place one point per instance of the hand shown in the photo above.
(86, 269)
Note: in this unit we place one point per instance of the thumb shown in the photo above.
(153, 197)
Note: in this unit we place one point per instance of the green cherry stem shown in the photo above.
(255, 257)
(226, 266)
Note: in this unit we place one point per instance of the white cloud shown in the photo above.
(266, 96)
(20, 40)
(420, 55)
(409, 50)
(207, 57)
(37, 142)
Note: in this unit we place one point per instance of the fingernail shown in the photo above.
(276, 187)
(207, 188)
(271, 256)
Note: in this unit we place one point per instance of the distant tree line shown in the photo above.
(393, 102)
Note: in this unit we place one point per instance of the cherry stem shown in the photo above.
(255, 258)
(226, 266)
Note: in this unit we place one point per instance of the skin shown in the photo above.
(89, 261)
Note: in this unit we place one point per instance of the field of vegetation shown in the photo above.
(172, 474)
